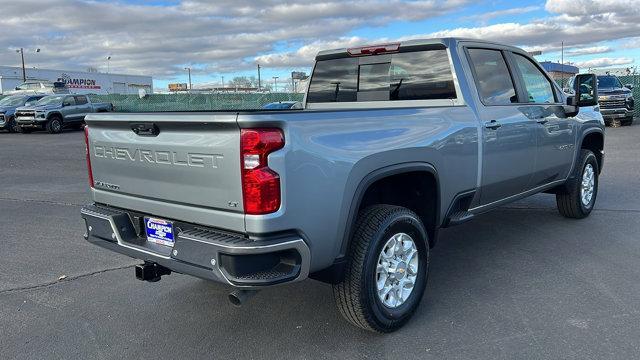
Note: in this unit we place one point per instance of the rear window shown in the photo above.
(419, 75)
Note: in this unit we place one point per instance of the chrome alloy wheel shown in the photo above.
(588, 185)
(397, 270)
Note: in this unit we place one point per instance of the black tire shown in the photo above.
(569, 199)
(356, 296)
(627, 122)
(12, 127)
(54, 125)
(25, 130)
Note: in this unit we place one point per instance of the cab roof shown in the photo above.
(446, 42)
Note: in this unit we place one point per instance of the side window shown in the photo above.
(69, 100)
(493, 80)
(81, 100)
(538, 87)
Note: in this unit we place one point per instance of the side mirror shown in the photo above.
(629, 86)
(586, 90)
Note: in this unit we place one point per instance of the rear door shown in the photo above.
(508, 136)
(554, 131)
(83, 107)
(175, 160)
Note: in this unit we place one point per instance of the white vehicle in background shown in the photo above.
(40, 87)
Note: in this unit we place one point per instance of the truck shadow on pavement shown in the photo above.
(499, 278)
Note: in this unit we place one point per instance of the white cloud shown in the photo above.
(588, 50)
(577, 23)
(485, 17)
(604, 62)
(226, 35)
(211, 36)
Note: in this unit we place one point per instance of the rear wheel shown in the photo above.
(627, 121)
(579, 196)
(386, 274)
(25, 130)
(54, 126)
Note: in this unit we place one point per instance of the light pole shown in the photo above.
(24, 70)
(108, 64)
(222, 82)
(293, 83)
(259, 77)
(275, 83)
(189, 71)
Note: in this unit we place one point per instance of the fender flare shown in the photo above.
(371, 178)
(581, 140)
(55, 113)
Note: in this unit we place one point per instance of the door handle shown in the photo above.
(493, 124)
(542, 120)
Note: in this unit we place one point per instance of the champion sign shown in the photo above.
(79, 83)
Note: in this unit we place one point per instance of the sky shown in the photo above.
(217, 38)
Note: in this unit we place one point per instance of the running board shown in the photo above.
(459, 217)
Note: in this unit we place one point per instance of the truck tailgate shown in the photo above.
(193, 161)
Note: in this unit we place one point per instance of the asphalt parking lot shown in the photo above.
(517, 283)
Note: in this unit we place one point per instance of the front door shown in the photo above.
(555, 132)
(508, 135)
(70, 109)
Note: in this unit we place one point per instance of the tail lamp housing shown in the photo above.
(260, 184)
(88, 154)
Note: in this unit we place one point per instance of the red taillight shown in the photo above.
(260, 184)
(374, 50)
(88, 153)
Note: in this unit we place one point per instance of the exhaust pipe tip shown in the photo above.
(239, 297)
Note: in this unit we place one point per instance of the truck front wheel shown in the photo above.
(578, 197)
(54, 126)
(386, 274)
(12, 126)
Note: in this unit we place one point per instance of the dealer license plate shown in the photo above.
(159, 231)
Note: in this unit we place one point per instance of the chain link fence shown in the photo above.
(193, 102)
(240, 101)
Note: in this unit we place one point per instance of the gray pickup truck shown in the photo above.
(615, 100)
(54, 112)
(396, 141)
(8, 106)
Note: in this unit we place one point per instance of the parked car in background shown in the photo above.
(54, 112)
(8, 106)
(40, 87)
(284, 105)
(616, 100)
(395, 142)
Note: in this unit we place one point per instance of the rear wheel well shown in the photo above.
(594, 142)
(416, 191)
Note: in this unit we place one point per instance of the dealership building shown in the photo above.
(78, 82)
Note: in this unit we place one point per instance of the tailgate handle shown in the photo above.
(145, 129)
